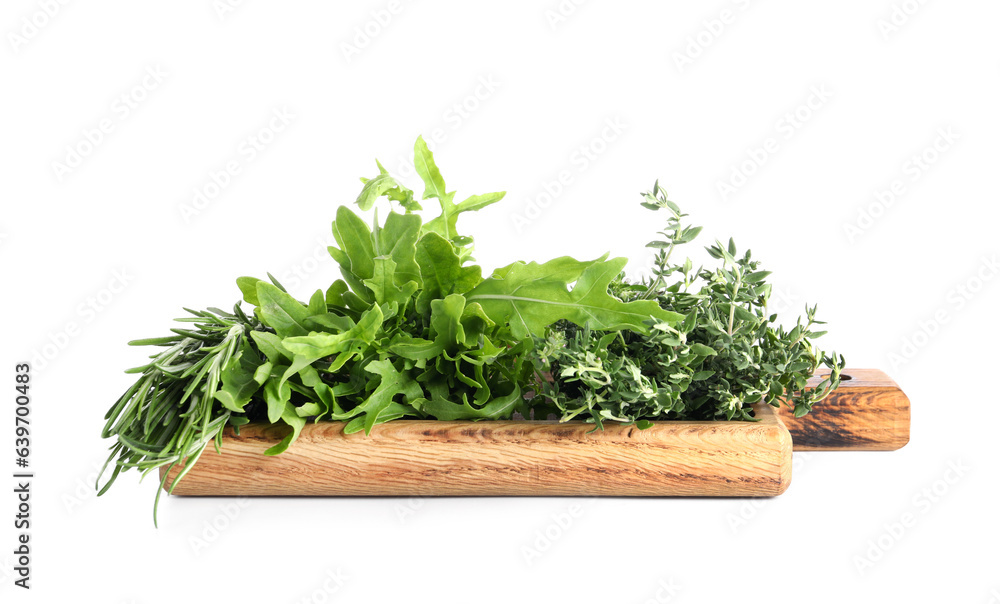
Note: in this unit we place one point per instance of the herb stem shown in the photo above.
(732, 304)
(662, 266)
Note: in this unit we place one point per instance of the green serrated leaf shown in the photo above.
(383, 283)
(238, 384)
(441, 271)
(343, 346)
(423, 161)
(498, 407)
(528, 299)
(286, 315)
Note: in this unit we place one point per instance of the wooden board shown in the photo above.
(418, 457)
(868, 412)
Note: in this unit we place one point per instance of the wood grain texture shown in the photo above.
(418, 457)
(869, 412)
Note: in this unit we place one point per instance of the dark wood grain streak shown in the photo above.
(867, 413)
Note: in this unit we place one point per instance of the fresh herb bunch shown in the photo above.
(413, 329)
(725, 355)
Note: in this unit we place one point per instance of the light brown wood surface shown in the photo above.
(868, 412)
(418, 457)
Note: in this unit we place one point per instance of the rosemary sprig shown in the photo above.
(170, 414)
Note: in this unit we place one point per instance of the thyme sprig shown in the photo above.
(725, 356)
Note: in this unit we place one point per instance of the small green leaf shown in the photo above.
(744, 314)
(345, 345)
(276, 396)
(383, 283)
(428, 170)
(248, 287)
(702, 350)
(756, 277)
(271, 345)
(238, 384)
(290, 417)
(397, 239)
(498, 407)
(689, 234)
(286, 315)
(441, 270)
(373, 189)
(391, 384)
(317, 303)
(335, 293)
(355, 254)
(478, 202)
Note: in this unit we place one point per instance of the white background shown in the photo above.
(698, 89)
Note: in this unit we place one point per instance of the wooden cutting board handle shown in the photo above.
(868, 412)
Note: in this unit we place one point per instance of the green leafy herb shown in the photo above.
(413, 329)
(725, 355)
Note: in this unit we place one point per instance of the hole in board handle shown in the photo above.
(843, 377)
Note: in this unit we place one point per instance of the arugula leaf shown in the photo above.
(276, 394)
(441, 270)
(530, 297)
(346, 345)
(385, 185)
(238, 384)
(446, 321)
(397, 239)
(280, 311)
(335, 293)
(375, 188)
(271, 345)
(383, 283)
(423, 161)
(317, 304)
(392, 383)
(290, 417)
(445, 223)
(248, 287)
(414, 349)
(498, 408)
(356, 254)
(476, 323)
